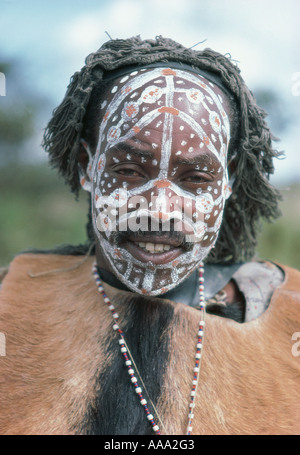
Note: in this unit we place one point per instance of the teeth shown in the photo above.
(154, 247)
(158, 247)
(150, 247)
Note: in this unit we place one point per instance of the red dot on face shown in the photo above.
(162, 183)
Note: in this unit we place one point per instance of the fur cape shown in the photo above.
(63, 372)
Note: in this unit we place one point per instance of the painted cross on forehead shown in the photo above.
(166, 127)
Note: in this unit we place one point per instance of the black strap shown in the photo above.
(212, 77)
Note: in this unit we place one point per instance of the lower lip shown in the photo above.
(156, 258)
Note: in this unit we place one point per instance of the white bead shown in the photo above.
(193, 393)
(121, 341)
(106, 300)
(115, 327)
(191, 405)
(115, 315)
(123, 349)
(138, 390)
(111, 307)
(150, 417)
(134, 379)
(143, 401)
(196, 370)
(202, 323)
(128, 362)
(194, 382)
(200, 333)
(190, 429)
(131, 371)
(191, 416)
(199, 345)
(198, 356)
(155, 428)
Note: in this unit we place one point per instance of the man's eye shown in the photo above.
(197, 178)
(129, 171)
(194, 179)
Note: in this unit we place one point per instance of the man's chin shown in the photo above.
(151, 266)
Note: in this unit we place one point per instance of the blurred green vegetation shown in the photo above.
(20, 110)
(280, 241)
(38, 211)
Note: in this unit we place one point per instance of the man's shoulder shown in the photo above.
(59, 255)
(258, 282)
(31, 273)
(3, 273)
(38, 263)
(286, 297)
(291, 278)
(276, 274)
(45, 289)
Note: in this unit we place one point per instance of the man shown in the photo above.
(175, 154)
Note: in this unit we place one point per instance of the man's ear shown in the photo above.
(231, 166)
(85, 160)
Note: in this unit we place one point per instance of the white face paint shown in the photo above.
(161, 158)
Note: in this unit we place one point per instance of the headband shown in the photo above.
(212, 77)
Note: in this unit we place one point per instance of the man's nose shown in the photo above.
(167, 203)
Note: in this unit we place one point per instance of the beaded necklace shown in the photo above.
(132, 368)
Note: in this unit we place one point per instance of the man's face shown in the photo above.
(159, 176)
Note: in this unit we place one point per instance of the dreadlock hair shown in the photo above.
(253, 197)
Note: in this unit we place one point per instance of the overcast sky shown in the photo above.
(53, 38)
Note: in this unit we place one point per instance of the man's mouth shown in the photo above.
(156, 249)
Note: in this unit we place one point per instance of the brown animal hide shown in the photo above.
(62, 355)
